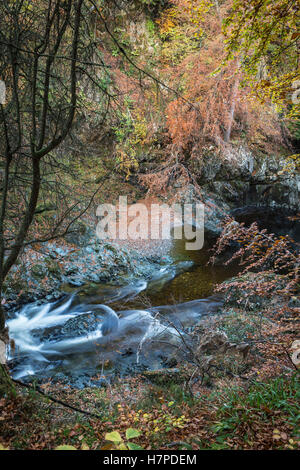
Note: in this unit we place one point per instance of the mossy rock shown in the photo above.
(53, 267)
(38, 271)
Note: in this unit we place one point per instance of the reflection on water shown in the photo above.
(195, 283)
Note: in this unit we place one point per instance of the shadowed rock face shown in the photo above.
(279, 221)
(242, 179)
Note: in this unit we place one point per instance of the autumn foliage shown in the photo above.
(275, 261)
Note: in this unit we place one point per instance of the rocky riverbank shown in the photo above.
(59, 267)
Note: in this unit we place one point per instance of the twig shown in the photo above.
(56, 400)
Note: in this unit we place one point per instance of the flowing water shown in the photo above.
(110, 330)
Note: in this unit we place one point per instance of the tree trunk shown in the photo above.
(232, 109)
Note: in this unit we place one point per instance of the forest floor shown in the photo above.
(247, 403)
